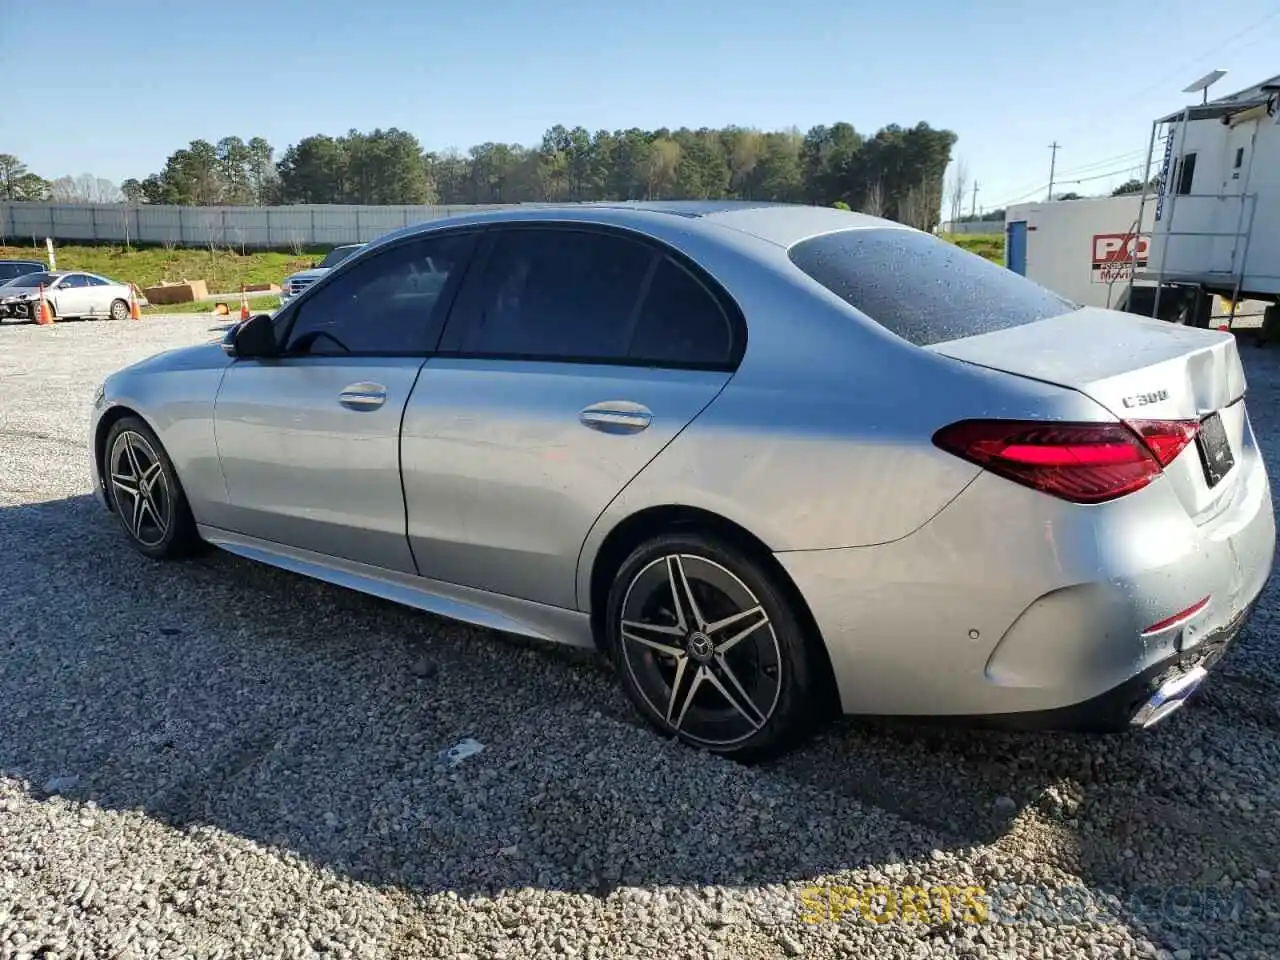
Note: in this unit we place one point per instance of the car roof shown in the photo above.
(782, 224)
(38, 263)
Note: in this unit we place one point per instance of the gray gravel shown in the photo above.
(216, 759)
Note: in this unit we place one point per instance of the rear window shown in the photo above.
(921, 288)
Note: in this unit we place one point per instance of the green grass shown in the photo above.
(988, 245)
(223, 270)
(256, 305)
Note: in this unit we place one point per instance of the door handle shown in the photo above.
(363, 396)
(616, 416)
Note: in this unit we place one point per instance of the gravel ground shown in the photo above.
(217, 759)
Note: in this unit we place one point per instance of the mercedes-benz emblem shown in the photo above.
(700, 647)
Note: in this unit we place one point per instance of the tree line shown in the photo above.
(19, 183)
(896, 172)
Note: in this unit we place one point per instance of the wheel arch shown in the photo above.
(108, 420)
(656, 521)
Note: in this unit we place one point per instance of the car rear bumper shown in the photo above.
(1015, 606)
(1138, 703)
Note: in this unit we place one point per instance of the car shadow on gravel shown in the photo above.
(298, 715)
(309, 718)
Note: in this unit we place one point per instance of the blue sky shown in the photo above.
(1009, 78)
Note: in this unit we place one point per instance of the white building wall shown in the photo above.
(1061, 241)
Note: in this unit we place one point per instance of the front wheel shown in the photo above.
(145, 492)
(119, 310)
(708, 648)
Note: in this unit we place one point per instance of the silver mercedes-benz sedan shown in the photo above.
(774, 461)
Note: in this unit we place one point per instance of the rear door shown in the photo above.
(98, 296)
(572, 357)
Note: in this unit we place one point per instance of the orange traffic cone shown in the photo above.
(244, 304)
(135, 313)
(45, 316)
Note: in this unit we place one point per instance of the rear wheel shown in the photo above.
(145, 492)
(707, 647)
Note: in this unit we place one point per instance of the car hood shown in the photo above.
(202, 356)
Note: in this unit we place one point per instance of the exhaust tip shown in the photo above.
(1171, 695)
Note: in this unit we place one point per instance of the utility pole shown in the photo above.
(973, 210)
(1053, 161)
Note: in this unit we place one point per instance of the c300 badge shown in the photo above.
(1145, 399)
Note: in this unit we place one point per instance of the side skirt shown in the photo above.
(478, 607)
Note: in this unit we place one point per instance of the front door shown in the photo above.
(310, 442)
(571, 359)
(71, 296)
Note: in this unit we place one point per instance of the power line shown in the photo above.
(1095, 116)
(1094, 164)
(1137, 168)
(1023, 193)
(1104, 176)
(1182, 68)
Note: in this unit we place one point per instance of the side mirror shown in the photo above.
(254, 338)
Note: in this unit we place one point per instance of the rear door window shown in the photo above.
(564, 295)
(921, 288)
(552, 294)
(681, 323)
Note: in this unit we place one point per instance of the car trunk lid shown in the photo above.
(1138, 369)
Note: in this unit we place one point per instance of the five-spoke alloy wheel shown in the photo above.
(144, 491)
(708, 648)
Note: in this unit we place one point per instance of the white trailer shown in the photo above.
(1081, 249)
(1213, 224)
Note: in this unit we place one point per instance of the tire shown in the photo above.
(119, 310)
(748, 697)
(158, 523)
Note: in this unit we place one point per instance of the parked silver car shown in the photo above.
(70, 295)
(772, 460)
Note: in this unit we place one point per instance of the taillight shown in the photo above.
(1081, 462)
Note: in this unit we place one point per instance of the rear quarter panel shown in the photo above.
(823, 438)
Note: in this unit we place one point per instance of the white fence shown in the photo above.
(973, 226)
(299, 226)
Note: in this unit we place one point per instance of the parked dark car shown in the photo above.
(17, 268)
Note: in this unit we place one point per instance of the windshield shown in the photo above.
(921, 288)
(32, 280)
(338, 254)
